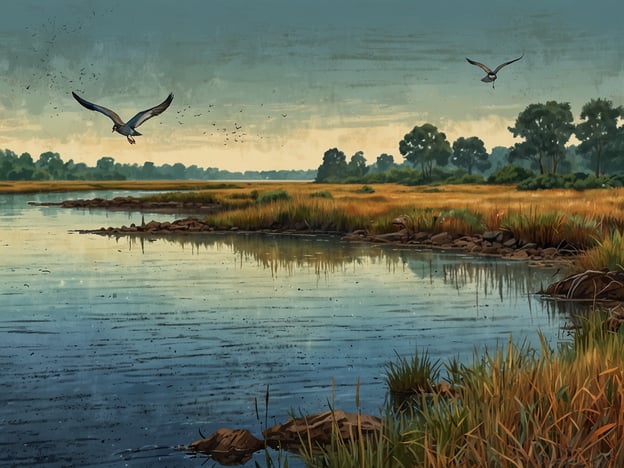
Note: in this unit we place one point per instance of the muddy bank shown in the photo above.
(131, 203)
(494, 243)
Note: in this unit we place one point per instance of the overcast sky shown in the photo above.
(273, 84)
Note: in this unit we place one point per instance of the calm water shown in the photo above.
(115, 351)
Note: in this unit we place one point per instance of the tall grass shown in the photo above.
(513, 406)
(551, 228)
(578, 220)
(608, 253)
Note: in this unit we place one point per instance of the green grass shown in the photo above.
(412, 376)
(607, 253)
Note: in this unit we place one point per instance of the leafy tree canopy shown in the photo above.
(598, 132)
(546, 128)
(425, 146)
(470, 153)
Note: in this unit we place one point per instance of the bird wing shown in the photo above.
(485, 68)
(149, 113)
(507, 63)
(94, 107)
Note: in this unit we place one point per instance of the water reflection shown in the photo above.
(142, 342)
(286, 254)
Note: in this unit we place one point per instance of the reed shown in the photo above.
(513, 406)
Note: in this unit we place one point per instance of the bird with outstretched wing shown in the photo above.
(491, 74)
(128, 129)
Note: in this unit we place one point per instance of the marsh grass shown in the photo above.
(557, 218)
(607, 253)
(412, 376)
(513, 406)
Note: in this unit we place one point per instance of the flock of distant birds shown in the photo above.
(129, 128)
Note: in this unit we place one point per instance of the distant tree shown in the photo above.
(546, 128)
(333, 168)
(357, 165)
(598, 133)
(385, 162)
(105, 164)
(52, 165)
(149, 171)
(425, 146)
(469, 153)
(194, 172)
(178, 171)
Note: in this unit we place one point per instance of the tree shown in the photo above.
(425, 146)
(149, 171)
(385, 162)
(334, 167)
(52, 164)
(357, 165)
(546, 128)
(598, 133)
(470, 153)
(105, 164)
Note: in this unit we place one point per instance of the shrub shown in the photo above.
(273, 196)
(509, 175)
(322, 194)
(365, 189)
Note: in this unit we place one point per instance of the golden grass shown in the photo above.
(547, 217)
(497, 200)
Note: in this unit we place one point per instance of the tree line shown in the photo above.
(545, 131)
(50, 166)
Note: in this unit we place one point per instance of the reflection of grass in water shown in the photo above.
(286, 253)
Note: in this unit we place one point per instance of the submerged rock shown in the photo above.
(236, 446)
(228, 446)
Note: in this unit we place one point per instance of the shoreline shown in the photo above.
(496, 243)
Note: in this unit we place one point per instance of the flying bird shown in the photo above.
(491, 75)
(128, 129)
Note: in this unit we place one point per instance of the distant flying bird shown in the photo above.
(491, 75)
(127, 128)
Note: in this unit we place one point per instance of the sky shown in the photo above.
(273, 84)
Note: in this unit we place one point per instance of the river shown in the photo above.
(113, 352)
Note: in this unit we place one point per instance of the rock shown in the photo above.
(490, 249)
(441, 238)
(402, 221)
(520, 255)
(549, 252)
(318, 429)
(511, 243)
(228, 446)
(493, 236)
(592, 285)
